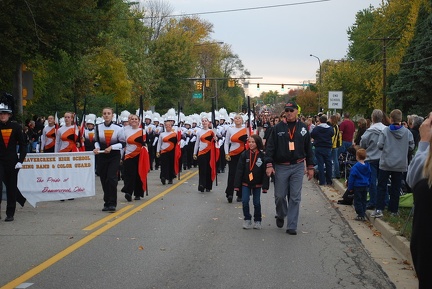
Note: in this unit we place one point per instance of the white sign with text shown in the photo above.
(335, 99)
(57, 176)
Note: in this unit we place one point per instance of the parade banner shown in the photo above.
(57, 176)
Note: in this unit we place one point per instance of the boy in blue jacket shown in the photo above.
(358, 183)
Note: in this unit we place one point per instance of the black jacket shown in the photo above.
(260, 178)
(277, 145)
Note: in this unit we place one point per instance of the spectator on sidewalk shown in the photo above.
(336, 144)
(419, 178)
(395, 141)
(358, 183)
(347, 129)
(369, 141)
(322, 136)
(361, 128)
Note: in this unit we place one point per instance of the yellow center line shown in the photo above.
(114, 215)
(57, 257)
(107, 218)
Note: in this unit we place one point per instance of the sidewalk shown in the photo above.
(391, 236)
(382, 242)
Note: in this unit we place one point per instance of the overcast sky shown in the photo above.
(276, 43)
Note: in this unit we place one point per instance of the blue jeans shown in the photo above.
(394, 191)
(360, 199)
(345, 145)
(374, 166)
(335, 159)
(323, 156)
(256, 194)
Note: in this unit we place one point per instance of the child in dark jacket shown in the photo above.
(358, 182)
(251, 178)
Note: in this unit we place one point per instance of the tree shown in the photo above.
(411, 88)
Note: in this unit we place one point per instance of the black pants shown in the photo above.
(167, 165)
(204, 173)
(232, 166)
(108, 166)
(421, 238)
(132, 180)
(9, 176)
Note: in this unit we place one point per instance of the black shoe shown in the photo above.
(170, 182)
(201, 188)
(105, 209)
(137, 198)
(343, 202)
(111, 209)
(207, 190)
(9, 219)
(279, 222)
(163, 181)
(229, 198)
(291, 232)
(239, 199)
(128, 197)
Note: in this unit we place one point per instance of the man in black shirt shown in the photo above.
(289, 156)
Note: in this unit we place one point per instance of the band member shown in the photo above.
(12, 138)
(165, 152)
(67, 137)
(110, 140)
(236, 138)
(48, 137)
(134, 143)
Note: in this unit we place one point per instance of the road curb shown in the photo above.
(399, 243)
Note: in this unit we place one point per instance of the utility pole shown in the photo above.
(384, 89)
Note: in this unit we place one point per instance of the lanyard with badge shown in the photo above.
(291, 146)
(252, 164)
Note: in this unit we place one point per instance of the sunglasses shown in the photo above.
(289, 110)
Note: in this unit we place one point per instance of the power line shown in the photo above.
(250, 8)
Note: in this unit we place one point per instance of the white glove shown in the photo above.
(155, 141)
(18, 165)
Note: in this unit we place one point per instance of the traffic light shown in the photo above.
(199, 85)
(282, 86)
(257, 85)
(207, 83)
(231, 83)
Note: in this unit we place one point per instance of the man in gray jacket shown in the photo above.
(369, 141)
(395, 141)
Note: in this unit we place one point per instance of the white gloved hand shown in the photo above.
(18, 165)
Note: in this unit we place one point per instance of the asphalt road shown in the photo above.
(178, 237)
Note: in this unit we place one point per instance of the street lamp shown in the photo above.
(320, 83)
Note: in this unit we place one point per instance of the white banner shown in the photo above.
(57, 176)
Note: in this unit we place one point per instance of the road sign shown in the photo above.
(197, 95)
(335, 99)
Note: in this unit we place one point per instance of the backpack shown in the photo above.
(337, 137)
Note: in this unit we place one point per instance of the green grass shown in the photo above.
(401, 223)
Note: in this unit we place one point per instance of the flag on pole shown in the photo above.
(177, 152)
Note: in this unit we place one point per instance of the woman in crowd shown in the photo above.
(236, 138)
(361, 128)
(202, 153)
(67, 137)
(336, 144)
(134, 142)
(419, 178)
(110, 140)
(165, 152)
(48, 137)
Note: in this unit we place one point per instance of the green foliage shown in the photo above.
(410, 89)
